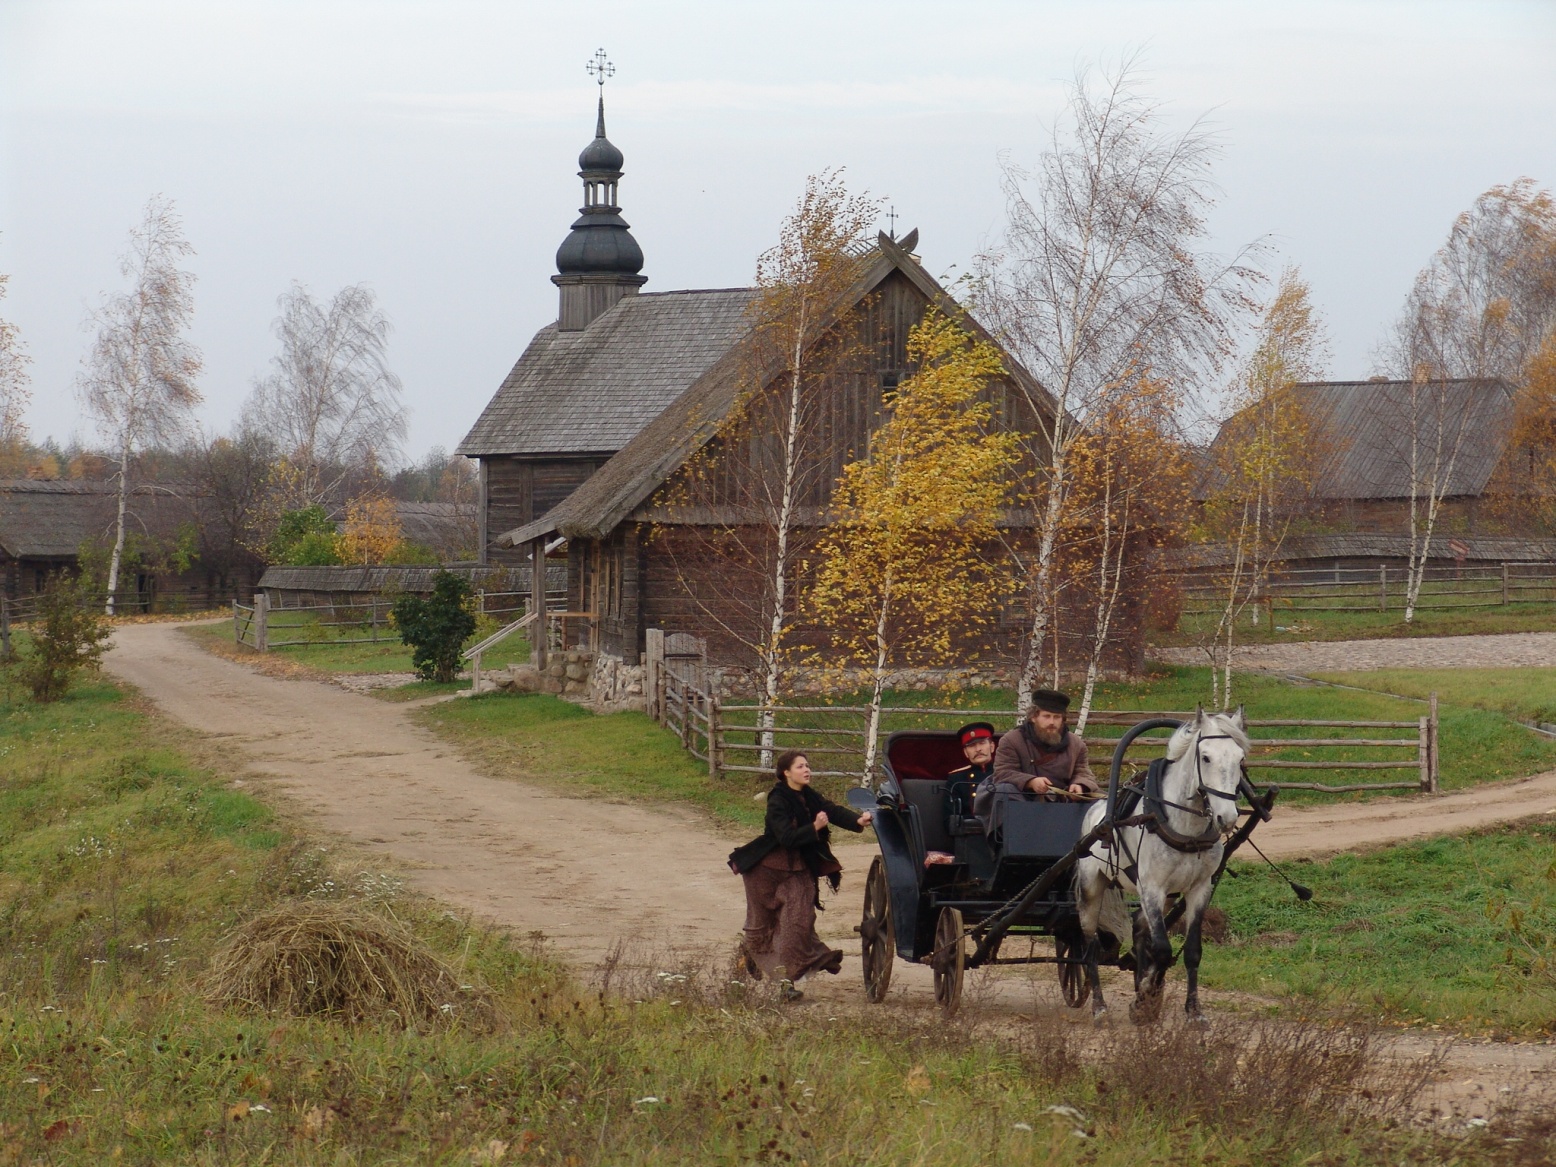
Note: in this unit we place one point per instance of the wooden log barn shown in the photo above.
(585, 448)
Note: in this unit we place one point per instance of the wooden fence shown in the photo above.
(263, 627)
(1381, 588)
(729, 738)
(19, 611)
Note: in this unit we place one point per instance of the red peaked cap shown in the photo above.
(971, 733)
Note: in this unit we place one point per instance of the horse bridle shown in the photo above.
(1212, 833)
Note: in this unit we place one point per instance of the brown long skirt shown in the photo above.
(780, 934)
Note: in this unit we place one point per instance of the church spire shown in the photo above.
(598, 262)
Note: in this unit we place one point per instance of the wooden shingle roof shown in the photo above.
(48, 519)
(1360, 435)
(608, 496)
(593, 390)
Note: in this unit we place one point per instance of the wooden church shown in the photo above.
(585, 447)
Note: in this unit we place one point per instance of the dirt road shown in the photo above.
(1504, 650)
(583, 871)
(587, 872)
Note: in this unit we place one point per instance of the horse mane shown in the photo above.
(1184, 735)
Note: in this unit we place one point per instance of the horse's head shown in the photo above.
(1219, 743)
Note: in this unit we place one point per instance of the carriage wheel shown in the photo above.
(1072, 977)
(950, 959)
(876, 939)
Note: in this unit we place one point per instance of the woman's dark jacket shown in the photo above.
(791, 815)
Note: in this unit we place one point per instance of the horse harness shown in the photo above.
(1150, 793)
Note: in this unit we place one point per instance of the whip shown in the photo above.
(1303, 893)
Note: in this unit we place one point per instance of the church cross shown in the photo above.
(599, 68)
(891, 215)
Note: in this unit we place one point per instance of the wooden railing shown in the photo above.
(737, 739)
(1381, 588)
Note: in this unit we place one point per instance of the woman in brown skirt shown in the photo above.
(781, 868)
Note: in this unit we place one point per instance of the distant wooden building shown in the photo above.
(585, 443)
(1360, 440)
(44, 524)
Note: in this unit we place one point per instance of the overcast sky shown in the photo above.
(428, 150)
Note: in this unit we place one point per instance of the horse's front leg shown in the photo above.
(1089, 892)
(1196, 901)
(1156, 953)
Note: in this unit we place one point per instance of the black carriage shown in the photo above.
(982, 899)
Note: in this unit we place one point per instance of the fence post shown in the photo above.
(1432, 743)
(237, 628)
(715, 762)
(5, 628)
(1383, 587)
(1504, 582)
(1424, 753)
(653, 678)
(262, 621)
(475, 673)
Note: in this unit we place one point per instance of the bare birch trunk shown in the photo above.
(873, 721)
(1107, 603)
(117, 557)
(771, 654)
(1042, 589)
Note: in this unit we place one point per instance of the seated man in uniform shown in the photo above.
(1040, 759)
(977, 742)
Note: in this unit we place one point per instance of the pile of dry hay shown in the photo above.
(317, 957)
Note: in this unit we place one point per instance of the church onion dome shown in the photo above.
(600, 242)
(599, 156)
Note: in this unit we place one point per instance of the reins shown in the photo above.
(1211, 835)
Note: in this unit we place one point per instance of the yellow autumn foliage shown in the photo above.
(371, 532)
(902, 567)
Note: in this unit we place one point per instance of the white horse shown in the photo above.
(1196, 806)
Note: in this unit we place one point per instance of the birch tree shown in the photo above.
(14, 393)
(331, 404)
(1263, 462)
(903, 567)
(138, 382)
(763, 477)
(1100, 271)
(1483, 307)
(1130, 495)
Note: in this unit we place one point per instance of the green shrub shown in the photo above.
(306, 538)
(435, 628)
(68, 636)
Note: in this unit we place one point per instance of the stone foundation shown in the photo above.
(604, 682)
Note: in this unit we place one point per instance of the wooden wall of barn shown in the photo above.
(840, 409)
(519, 490)
(691, 580)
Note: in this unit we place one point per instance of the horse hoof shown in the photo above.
(1200, 1020)
(1099, 1015)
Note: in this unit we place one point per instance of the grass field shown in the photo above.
(127, 854)
(1415, 934)
(1525, 694)
(1291, 625)
(348, 656)
(625, 755)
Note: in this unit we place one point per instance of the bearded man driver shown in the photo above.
(1040, 759)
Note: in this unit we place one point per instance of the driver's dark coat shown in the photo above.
(791, 817)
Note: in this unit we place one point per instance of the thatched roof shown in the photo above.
(50, 518)
(449, 528)
(593, 390)
(1360, 545)
(1361, 434)
(616, 489)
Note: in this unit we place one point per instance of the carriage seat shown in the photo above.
(928, 797)
(1035, 829)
